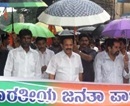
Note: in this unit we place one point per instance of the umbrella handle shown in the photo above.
(75, 38)
(12, 19)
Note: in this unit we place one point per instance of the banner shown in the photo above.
(51, 93)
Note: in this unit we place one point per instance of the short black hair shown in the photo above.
(110, 42)
(56, 36)
(62, 38)
(84, 35)
(40, 38)
(24, 32)
(123, 40)
(4, 36)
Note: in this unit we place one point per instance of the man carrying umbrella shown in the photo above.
(87, 55)
(23, 61)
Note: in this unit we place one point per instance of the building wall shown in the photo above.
(114, 8)
(108, 5)
(121, 8)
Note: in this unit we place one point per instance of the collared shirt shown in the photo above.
(45, 57)
(107, 70)
(22, 64)
(44, 60)
(65, 68)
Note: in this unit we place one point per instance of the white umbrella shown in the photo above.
(74, 13)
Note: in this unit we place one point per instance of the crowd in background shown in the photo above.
(66, 59)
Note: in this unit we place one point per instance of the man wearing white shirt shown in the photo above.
(65, 65)
(123, 52)
(23, 61)
(44, 53)
(109, 66)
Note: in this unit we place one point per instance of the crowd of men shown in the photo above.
(66, 59)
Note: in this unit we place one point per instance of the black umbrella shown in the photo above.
(2, 32)
(97, 32)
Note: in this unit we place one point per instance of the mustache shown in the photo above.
(117, 53)
(68, 48)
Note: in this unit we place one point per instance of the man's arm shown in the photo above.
(84, 56)
(97, 69)
(126, 69)
(51, 76)
(80, 76)
(9, 65)
(51, 68)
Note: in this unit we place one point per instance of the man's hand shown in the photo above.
(75, 47)
(126, 61)
(44, 68)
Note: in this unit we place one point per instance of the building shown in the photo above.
(116, 8)
(108, 5)
(122, 7)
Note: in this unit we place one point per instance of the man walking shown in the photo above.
(65, 65)
(23, 61)
(109, 66)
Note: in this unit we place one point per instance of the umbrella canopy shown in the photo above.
(2, 32)
(67, 32)
(2, 26)
(74, 13)
(22, 3)
(58, 28)
(36, 30)
(98, 31)
(87, 29)
(117, 28)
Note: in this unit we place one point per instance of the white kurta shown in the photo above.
(44, 60)
(65, 68)
(45, 57)
(107, 70)
(22, 64)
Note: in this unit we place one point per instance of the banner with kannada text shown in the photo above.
(17, 92)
